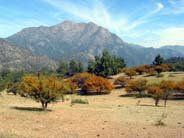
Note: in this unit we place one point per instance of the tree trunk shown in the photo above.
(44, 105)
(156, 101)
(165, 101)
(166, 98)
(140, 94)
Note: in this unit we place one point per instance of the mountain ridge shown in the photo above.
(14, 58)
(82, 41)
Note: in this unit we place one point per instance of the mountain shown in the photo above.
(83, 41)
(14, 58)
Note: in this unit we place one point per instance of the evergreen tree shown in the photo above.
(158, 60)
(118, 63)
(106, 65)
(63, 68)
(80, 67)
(73, 67)
(91, 67)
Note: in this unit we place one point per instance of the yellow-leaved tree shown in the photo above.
(44, 89)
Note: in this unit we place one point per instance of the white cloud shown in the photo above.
(172, 36)
(98, 13)
(165, 36)
(160, 6)
(176, 7)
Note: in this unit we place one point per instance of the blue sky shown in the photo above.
(146, 22)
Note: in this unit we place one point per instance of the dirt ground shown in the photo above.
(106, 116)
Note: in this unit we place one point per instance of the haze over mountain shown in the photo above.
(15, 58)
(82, 41)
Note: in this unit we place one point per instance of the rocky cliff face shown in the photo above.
(14, 58)
(83, 41)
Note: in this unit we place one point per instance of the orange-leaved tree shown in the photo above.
(168, 87)
(130, 72)
(141, 69)
(97, 85)
(156, 92)
(80, 78)
(43, 89)
(134, 86)
(121, 81)
(180, 86)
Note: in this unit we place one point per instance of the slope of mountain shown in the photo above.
(82, 41)
(14, 58)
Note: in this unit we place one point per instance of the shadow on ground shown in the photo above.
(31, 109)
(149, 105)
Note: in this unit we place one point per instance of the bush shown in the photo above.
(13, 88)
(79, 101)
(80, 78)
(141, 69)
(92, 84)
(97, 85)
(151, 72)
(160, 122)
(180, 86)
(134, 86)
(121, 81)
(130, 72)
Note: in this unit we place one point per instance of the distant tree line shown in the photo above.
(70, 69)
(176, 62)
(104, 65)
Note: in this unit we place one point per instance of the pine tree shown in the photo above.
(73, 67)
(106, 65)
(63, 68)
(91, 66)
(80, 67)
(158, 60)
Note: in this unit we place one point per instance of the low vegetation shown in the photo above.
(79, 101)
(160, 120)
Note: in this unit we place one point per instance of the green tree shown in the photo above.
(91, 66)
(73, 67)
(158, 60)
(80, 67)
(63, 68)
(117, 64)
(106, 65)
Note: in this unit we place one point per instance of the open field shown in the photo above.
(106, 116)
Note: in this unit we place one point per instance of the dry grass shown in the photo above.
(176, 76)
(106, 116)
